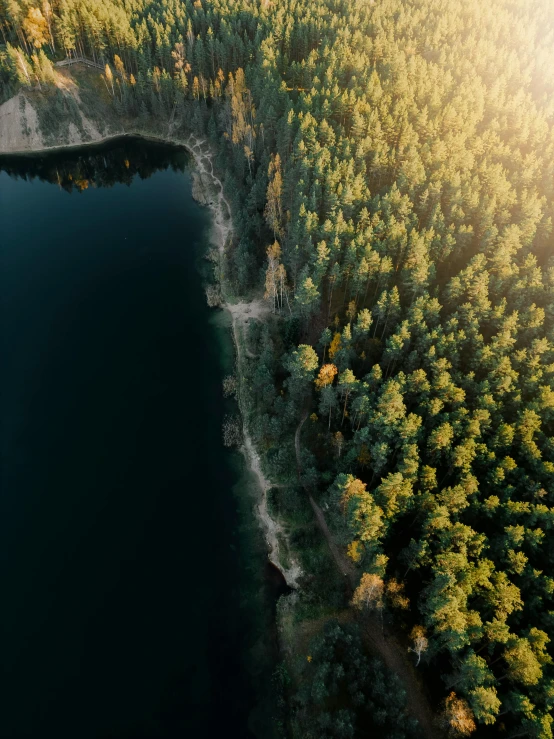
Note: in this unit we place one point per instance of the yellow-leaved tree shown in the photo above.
(326, 376)
(273, 210)
(456, 718)
(368, 596)
(36, 27)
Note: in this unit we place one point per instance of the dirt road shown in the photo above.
(376, 636)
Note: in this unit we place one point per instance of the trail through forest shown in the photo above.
(374, 633)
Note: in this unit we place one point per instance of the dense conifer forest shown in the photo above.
(390, 165)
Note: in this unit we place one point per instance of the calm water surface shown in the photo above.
(134, 602)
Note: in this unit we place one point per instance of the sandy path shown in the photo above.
(241, 313)
(344, 565)
(380, 639)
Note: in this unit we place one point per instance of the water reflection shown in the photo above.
(105, 165)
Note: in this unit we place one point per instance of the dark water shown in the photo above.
(133, 598)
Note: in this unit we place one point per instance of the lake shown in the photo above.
(135, 596)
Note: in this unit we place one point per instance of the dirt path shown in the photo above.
(344, 565)
(297, 442)
(377, 637)
(395, 656)
(223, 223)
(241, 313)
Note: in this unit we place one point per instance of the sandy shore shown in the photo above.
(240, 314)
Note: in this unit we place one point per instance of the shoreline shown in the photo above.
(222, 228)
(98, 142)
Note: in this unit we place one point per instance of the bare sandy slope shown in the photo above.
(20, 133)
(16, 117)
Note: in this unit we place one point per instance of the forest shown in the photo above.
(390, 165)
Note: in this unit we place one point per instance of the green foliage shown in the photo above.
(413, 208)
(345, 694)
(56, 113)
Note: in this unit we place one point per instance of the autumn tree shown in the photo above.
(36, 27)
(456, 718)
(273, 208)
(108, 79)
(368, 595)
(275, 279)
(420, 642)
(326, 376)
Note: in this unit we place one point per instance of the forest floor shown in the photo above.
(375, 634)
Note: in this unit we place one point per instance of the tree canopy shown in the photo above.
(391, 165)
